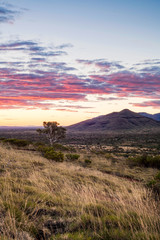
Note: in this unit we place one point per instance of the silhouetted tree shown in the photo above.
(52, 131)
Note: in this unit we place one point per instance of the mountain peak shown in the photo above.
(125, 111)
(116, 121)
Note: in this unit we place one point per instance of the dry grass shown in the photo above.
(119, 165)
(42, 199)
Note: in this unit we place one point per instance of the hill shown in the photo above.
(124, 120)
(97, 197)
(153, 116)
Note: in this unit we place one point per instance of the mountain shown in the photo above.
(153, 116)
(116, 121)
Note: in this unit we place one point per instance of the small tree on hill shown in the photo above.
(52, 131)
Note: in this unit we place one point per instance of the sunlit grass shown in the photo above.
(44, 199)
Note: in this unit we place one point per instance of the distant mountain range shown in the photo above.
(153, 116)
(124, 120)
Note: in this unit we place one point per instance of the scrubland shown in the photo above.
(94, 196)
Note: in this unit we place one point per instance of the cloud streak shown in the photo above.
(32, 47)
(7, 14)
(37, 79)
(101, 64)
(154, 104)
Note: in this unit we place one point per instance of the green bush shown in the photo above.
(157, 177)
(17, 142)
(72, 157)
(59, 146)
(50, 153)
(2, 138)
(147, 161)
(72, 149)
(155, 183)
(42, 148)
(87, 161)
(53, 155)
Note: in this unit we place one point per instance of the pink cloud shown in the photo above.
(66, 110)
(154, 104)
(48, 81)
(41, 86)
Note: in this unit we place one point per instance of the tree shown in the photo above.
(52, 131)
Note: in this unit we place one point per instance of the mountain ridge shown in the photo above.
(155, 116)
(115, 121)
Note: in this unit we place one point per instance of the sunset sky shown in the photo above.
(67, 60)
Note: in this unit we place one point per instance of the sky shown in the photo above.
(68, 61)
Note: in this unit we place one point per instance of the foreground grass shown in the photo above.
(42, 199)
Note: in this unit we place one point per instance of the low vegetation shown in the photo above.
(146, 160)
(16, 142)
(72, 157)
(51, 153)
(154, 184)
(74, 193)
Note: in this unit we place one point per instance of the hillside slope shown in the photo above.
(42, 199)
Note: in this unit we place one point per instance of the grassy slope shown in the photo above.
(42, 199)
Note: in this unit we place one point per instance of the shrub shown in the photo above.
(17, 142)
(156, 187)
(157, 177)
(59, 146)
(2, 138)
(53, 155)
(87, 161)
(155, 183)
(72, 157)
(50, 153)
(147, 161)
(42, 148)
